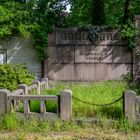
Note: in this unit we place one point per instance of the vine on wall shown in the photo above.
(129, 32)
(33, 19)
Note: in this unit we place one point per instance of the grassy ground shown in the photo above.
(15, 129)
(11, 128)
(100, 93)
(80, 134)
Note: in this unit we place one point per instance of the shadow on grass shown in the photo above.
(111, 112)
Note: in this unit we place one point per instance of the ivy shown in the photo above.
(33, 19)
(129, 32)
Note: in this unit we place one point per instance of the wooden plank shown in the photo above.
(33, 97)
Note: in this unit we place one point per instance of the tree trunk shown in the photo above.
(126, 11)
(98, 17)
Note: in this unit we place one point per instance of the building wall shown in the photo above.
(17, 50)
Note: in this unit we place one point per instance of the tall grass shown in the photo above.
(11, 123)
(99, 93)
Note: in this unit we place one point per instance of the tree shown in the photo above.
(126, 11)
(98, 15)
(81, 12)
(98, 12)
(34, 18)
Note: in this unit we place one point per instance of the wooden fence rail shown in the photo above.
(11, 101)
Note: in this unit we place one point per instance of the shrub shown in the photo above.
(11, 76)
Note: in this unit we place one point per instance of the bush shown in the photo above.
(11, 76)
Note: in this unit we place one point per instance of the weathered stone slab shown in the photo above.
(79, 59)
(51, 38)
(129, 105)
(93, 54)
(66, 105)
(3, 101)
(66, 71)
(75, 36)
(115, 71)
(122, 55)
(65, 54)
(71, 36)
(52, 54)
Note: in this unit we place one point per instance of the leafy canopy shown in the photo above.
(35, 18)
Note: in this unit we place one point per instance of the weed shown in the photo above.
(10, 122)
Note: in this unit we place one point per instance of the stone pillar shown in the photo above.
(136, 53)
(38, 86)
(129, 105)
(66, 105)
(46, 82)
(24, 87)
(3, 101)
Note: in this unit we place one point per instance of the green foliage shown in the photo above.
(9, 122)
(128, 78)
(14, 18)
(114, 10)
(129, 32)
(35, 18)
(81, 12)
(110, 11)
(11, 76)
(98, 16)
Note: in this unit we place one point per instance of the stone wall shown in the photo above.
(17, 50)
(72, 56)
(136, 53)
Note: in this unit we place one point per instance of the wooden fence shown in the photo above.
(11, 101)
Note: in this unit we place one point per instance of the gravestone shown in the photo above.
(73, 56)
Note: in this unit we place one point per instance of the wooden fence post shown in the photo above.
(3, 101)
(24, 87)
(129, 105)
(66, 105)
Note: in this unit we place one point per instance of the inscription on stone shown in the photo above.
(93, 54)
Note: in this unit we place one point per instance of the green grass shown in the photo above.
(13, 128)
(100, 93)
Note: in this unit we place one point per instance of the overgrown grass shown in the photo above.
(100, 93)
(10, 123)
